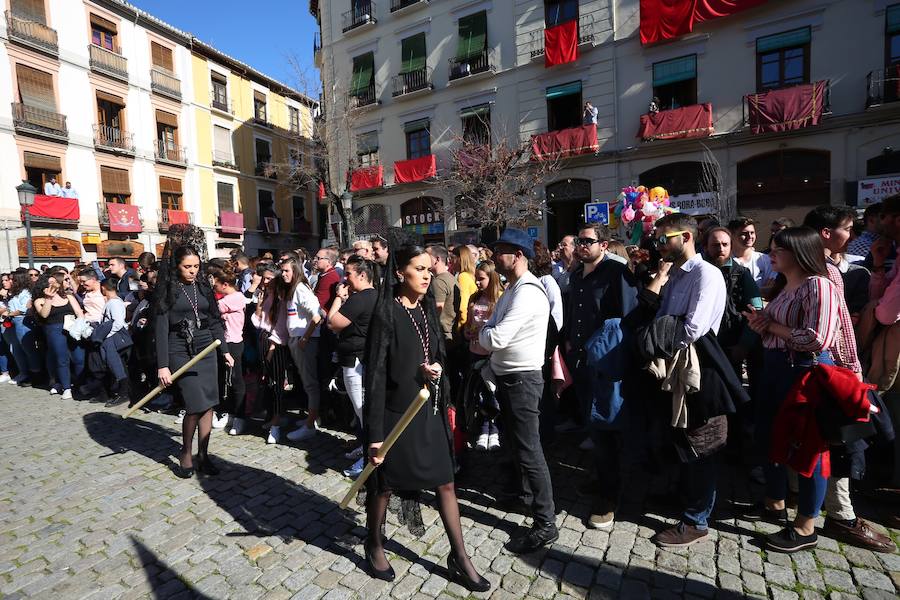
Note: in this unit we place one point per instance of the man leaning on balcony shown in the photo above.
(69, 191)
(51, 188)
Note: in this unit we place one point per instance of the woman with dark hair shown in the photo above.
(270, 318)
(5, 286)
(187, 320)
(799, 329)
(407, 345)
(21, 337)
(232, 307)
(52, 303)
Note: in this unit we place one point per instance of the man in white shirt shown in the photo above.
(516, 337)
(743, 238)
(69, 191)
(51, 188)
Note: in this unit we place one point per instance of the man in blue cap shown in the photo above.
(516, 336)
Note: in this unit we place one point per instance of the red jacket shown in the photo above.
(325, 287)
(796, 438)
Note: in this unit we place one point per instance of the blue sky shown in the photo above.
(261, 33)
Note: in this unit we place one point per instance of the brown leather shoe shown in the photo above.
(680, 536)
(862, 535)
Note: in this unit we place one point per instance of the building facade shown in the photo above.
(152, 127)
(764, 112)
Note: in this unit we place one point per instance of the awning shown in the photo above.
(472, 36)
(114, 181)
(677, 69)
(257, 95)
(107, 97)
(412, 51)
(169, 185)
(416, 169)
(363, 70)
(475, 111)
(123, 217)
(567, 89)
(561, 44)
(787, 39)
(34, 160)
(164, 118)
(102, 23)
(35, 88)
(417, 125)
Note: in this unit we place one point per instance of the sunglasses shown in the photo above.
(664, 238)
(584, 241)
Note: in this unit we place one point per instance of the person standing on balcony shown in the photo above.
(51, 188)
(589, 116)
(69, 191)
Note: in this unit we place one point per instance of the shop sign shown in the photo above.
(876, 189)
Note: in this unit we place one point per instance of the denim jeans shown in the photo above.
(519, 395)
(63, 354)
(109, 351)
(698, 490)
(306, 360)
(21, 340)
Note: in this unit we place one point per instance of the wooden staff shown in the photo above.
(395, 433)
(155, 391)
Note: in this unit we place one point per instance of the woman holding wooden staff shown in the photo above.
(407, 344)
(187, 320)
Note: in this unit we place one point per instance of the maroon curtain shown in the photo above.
(231, 222)
(561, 44)
(417, 169)
(367, 178)
(55, 207)
(123, 217)
(679, 123)
(667, 19)
(788, 108)
(565, 143)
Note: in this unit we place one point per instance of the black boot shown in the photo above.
(121, 393)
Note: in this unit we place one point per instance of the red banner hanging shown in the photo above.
(668, 19)
(788, 108)
(679, 123)
(231, 222)
(123, 217)
(367, 178)
(55, 207)
(561, 44)
(416, 169)
(178, 217)
(321, 190)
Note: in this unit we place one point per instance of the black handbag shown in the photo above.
(838, 429)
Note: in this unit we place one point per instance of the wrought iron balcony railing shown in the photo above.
(165, 152)
(108, 62)
(362, 13)
(113, 138)
(413, 81)
(883, 86)
(367, 97)
(165, 83)
(473, 65)
(585, 35)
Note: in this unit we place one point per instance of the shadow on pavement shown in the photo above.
(164, 581)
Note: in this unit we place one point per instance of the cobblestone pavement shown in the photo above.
(90, 508)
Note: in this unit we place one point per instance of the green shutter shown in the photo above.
(567, 89)
(788, 39)
(893, 18)
(475, 111)
(417, 125)
(363, 70)
(677, 69)
(413, 53)
(472, 36)
(366, 143)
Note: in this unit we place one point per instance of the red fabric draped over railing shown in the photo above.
(679, 123)
(667, 19)
(178, 217)
(564, 143)
(788, 108)
(417, 169)
(367, 178)
(54, 207)
(561, 44)
(123, 217)
(231, 222)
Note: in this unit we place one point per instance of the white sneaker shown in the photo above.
(587, 444)
(220, 422)
(482, 442)
(274, 435)
(53, 391)
(304, 432)
(5, 378)
(493, 442)
(180, 418)
(354, 454)
(237, 426)
(11, 380)
(67, 395)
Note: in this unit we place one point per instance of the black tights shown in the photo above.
(202, 423)
(448, 507)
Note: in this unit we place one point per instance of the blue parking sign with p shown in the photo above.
(596, 212)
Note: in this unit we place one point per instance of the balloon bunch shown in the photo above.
(638, 208)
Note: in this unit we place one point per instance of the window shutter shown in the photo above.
(30, 10)
(413, 50)
(567, 89)
(169, 185)
(222, 139)
(788, 39)
(35, 88)
(363, 70)
(893, 18)
(225, 194)
(101, 95)
(367, 143)
(259, 96)
(678, 69)
(101, 23)
(114, 181)
(33, 160)
(164, 118)
(472, 35)
(417, 125)
(162, 56)
(219, 78)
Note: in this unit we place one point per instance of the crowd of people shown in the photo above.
(685, 351)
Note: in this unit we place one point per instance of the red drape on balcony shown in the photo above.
(788, 108)
(321, 190)
(231, 222)
(564, 143)
(667, 19)
(685, 122)
(178, 216)
(367, 178)
(417, 169)
(561, 44)
(55, 207)
(123, 217)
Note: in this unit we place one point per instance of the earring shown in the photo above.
(401, 279)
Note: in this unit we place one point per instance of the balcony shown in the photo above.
(37, 121)
(407, 5)
(565, 143)
(317, 49)
(412, 84)
(264, 168)
(52, 211)
(230, 222)
(107, 62)
(367, 178)
(169, 216)
(113, 139)
(168, 154)
(164, 83)
(678, 123)
(415, 169)
(360, 17)
(585, 36)
(471, 68)
(788, 108)
(224, 159)
(225, 105)
(32, 34)
(262, 122)
(364, 99)
(883, 86)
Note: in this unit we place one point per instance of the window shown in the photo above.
(295, 158)
(29, 10)
(41, 168)
(476, 124)
(161, 56)
(263, 151)
(418, 139)
(225, 196)
(892, 36)
(266, 204)
(470, 54)
(104, 33)
(782, 59)
(259, 106)
(675, 82)
(219, 92)
(298, 213)
(367, 149)
(166, 133)
(114, 183)
(362, 83)
(294, 119)
(222, 145)
(170, 193)
(564, 106)
(110, 110)
(412, 54)
(35, 88)
(559, 11)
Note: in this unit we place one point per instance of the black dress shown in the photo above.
(198, 387)
(422, 456)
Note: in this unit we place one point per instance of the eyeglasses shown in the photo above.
(321, 257)
(583, 241)
(663, 239)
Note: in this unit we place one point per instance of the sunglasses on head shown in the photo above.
(663, 239)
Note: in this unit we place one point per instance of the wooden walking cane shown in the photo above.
(155, 391)
(395, 433)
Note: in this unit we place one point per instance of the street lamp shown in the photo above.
(26, 193)
(347, 206)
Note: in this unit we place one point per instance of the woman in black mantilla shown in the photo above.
(406, 344)
(187, 320)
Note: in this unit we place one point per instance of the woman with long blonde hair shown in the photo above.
(481, 307)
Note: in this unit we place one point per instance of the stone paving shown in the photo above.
(90, 509)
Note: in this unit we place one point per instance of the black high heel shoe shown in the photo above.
(205, 465)
(183, 472)
(458, 576)
(386, 575)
